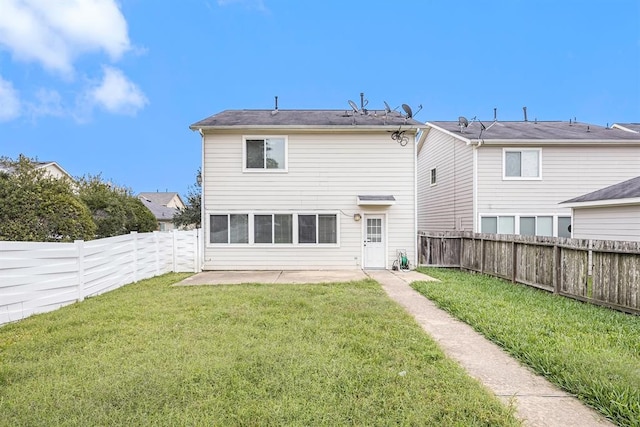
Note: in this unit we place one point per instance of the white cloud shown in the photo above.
(9, 101)
(48, 103)
(54, 33)
(117, 94)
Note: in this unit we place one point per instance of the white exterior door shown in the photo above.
(374, 241)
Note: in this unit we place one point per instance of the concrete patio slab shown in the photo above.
(273, 276)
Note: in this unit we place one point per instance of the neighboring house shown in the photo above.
(163, 205)
(168, 199)
(308, 189)
(611, 213)
(52, 169)
(629, 127)
(509, 177)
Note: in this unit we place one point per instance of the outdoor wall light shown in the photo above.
(357, 217)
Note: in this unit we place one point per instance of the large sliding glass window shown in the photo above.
(231, 228)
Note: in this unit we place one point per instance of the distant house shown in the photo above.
(510, 177)
(52, 169)
(163, 205)
(611, 213)
(308, 189)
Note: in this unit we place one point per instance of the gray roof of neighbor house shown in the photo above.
(160, 198)
(629, 189)
(162, 213)
(633, 127)
(535, 131)
(243, 119)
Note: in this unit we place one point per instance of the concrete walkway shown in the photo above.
(537, 402)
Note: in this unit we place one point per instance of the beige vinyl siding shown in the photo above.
(567, 172)
(448, 205)
(607, 223)
(326, 171)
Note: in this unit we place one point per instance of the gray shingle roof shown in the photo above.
(629, 189)
(532, 131)
(158, 197)
(162, 213)
(303, 118)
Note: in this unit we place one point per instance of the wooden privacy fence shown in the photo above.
(600, 272)
(39, 277)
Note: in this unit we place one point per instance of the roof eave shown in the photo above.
(602, 203)
(353, 128)
(536, 142)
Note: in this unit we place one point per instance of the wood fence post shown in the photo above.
(557, 269)
(80, 248)
(481, 255)
(514, 260)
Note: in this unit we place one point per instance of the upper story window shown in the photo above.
(522, 163)
(433, 176)
(265, 154)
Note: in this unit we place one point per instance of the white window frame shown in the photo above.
(554, 221)
(264, 170)
(294, 226)
(433, 176)
(506, 150)
(228, 214)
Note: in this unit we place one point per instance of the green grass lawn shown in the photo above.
(590, 351)
(153, 354)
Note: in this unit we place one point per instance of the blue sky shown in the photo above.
(110, 87)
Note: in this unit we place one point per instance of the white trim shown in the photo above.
(265, 170)
(602, 203)
(505, 150)
(476, 224)
(456, 136)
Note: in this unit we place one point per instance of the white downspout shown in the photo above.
(203, 222)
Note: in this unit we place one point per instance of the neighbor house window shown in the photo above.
(277, 228)
(262, 154)
(433, 176)
(231, 228)
(317, 228)
(528, 225)
(564, 226)
(497, 224)
(522, 164)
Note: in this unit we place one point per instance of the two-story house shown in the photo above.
(510, 177)
(308, 189)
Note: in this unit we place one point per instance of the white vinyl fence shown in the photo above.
(40, 277)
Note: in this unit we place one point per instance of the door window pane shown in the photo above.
(544, 226)
(283, 228)
(564, 226)
(489, 224)
(374, 230)
(506, 225)
(219, 232)
(262, 228)
(527, 225)
(306, 229)
(327, 229)
(239, 232)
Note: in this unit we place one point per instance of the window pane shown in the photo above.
(283, 228)
(327, 229)
(512, 163)
(544, 226)
(527, 226)
(374, 230)
(489, 224)
(255, 154)
(506, 225)
(530, 163)
(306, 228)
(433, 176)
(564, 226)
(219, 231)
(275, 153)
(262, 228)
(239, 232)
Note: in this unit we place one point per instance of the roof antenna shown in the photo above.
(525, 113)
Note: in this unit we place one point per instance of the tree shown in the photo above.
(40, 208)
(114, 209)
(190, 216)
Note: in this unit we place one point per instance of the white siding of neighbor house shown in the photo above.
(447, 205)
(607, 223)
(567, 172)
(326, 171)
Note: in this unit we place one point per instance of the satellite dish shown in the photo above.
(386, 107)
(463, 122)
(353, 105)
(407, 110)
